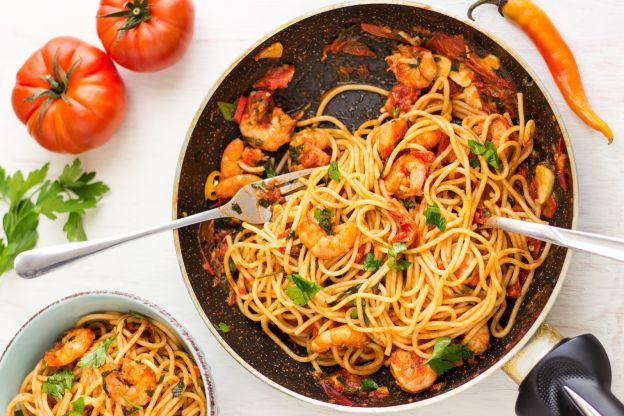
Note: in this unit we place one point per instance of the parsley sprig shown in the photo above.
(73, 193)
(446, 354)
(324, 217)
(56, 384)
(487, 150)
(434, 217)
(77, 407)
(303, 291)
(395, 263)
(370, 263)
(97, 357)
(334, 172)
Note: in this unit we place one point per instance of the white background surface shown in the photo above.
(139, 165)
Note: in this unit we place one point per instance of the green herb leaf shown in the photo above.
(265, 203)
(56, 384)
(370, 264)
(474, 162)
(408, 203)
(237, 208)
(353, 289)
(260, 186)
(223, 327)
(232, 266)
(291, 235)
(127, 400)
(269, 169)
(334, 172)
(396, 248)
(354, 312)
(454, 66)
(228, 109)
(77, 407)
(18, 412)
(446, 354)
(324, 216)
(394, 263)
(303, 291)
(295, 153)
(487, 150)
(178, 389)
(434, 217)
(368, 384)
(396, 111)
(97, 357)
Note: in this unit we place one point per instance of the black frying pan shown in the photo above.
(303, 40)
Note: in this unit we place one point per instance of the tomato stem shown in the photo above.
(136, 12)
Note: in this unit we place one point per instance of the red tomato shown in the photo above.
(146, 35)
(75, 108)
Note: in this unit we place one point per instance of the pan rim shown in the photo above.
(468, 384)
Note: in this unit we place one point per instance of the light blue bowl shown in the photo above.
(39, 333)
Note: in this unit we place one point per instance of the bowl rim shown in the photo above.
(179, 329)
(530, 331)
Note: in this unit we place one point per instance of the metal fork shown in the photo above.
(244, 206)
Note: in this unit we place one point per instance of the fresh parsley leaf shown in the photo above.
(295, 153)
(368, 384)
(73, 193)
(223, 327)
(474, 162)
(178, 389)
(487, 150)
(291, 235)
(370, 264)
(260, 186)
(446, 354)
(303, 291)
(228, 109)
(77, 407)
(232, 266)
(354, 312)
(434, 217)
(237, 208)
(97, 357)
(353, 289)
(269, 169)
(454, 66)
(18, 412)
(334, 172)
(127, 400)
(56, 384)
(408, 203)
(394, 263)
(396, 111)
(323, 217)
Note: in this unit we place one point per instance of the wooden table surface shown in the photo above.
(139, 165)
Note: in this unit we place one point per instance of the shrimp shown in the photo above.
(413, 66)
(74, 344)
(342, 335)
(129, 384)
(480, 341)
(236, 151)
(498, 128)
(411, 372)
(265, 125)
(430, 139)
(407, 174)
(388, 135)
(320, 243)
(308, 149)
(228, 187)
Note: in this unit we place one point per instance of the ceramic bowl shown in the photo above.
(39, 332)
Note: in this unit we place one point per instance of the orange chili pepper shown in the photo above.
(557, 54)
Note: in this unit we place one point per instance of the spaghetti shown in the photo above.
(113, 364)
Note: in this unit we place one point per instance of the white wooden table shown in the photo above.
(139, 165)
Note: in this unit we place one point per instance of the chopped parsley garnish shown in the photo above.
(97, 357)
(323, 217)
(454, 66)
(353, 289)
(56, 384)
(178, 389)
(127, 400)
(260, 186)
(18, 412)
(223, 327)
(368, 384)
(396, 111)
(434, 217)
(232, 266)
(487, 150)
(354, 312)
(394, 263)
(408, 203)
(446, 354)
(291, 235)
(303, 291)
(334, 172)
(265, 203)
(295, 152)
(77, 407)
(474, 162)
(236, 208)
(228, 109)
(370, 264)
(269, 169)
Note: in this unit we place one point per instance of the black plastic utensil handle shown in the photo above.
(572, 379)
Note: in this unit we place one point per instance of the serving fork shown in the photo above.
(243, 206)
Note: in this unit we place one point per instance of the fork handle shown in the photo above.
(601, 245)
(36, 262)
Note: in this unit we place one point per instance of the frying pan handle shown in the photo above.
(557, 376)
